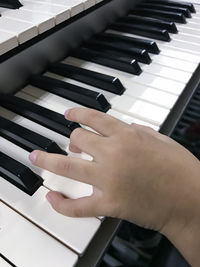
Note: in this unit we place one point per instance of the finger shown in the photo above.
(87, 141)
(102, 123)
(74, 148)
(81, 207)
(75, 168)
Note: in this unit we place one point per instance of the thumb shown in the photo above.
(81, 207)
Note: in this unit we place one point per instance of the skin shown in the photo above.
(137, 174)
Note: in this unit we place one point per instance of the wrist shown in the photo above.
(183, 226)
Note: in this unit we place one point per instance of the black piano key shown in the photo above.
(169, 26)
(184, 11)
(96, 79)
(13, 4)
(143, 30)
(149, 45)
(136, 53)
(36, 113)
(108, 60)
(183, 4)
(26, 138)
(19, 175)
(72, 92)
(165, 15)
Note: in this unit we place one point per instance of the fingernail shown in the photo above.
(67, 113)
(33, 156)
(48, 197)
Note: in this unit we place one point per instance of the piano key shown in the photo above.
(143, 30)
(60, 13)
(183, 4)
(8, 41)
(97, 79)
(46, 117)
(27, 139)
(165, 15)
(167, 72)
(122, 63)
(141, 92)
(19, 175)
(150, 80)
(4, 263)
(72, 92)
(43, 21)
(140, 43)
(188, 38)
(24, 31)
(14, 4)
(183, 10)
(169, 26)
(48, 250)
(124, 104)
(37, 209)
(140, 55)
(61, 140)
(188, 30)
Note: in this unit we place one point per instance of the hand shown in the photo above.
(136, 172)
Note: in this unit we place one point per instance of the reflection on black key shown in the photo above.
(120, 63)
(149, 45)
(19, 175)
(167, 25)
(134, 53)
(184, 11)
(142, 30)
(14, 4)
(72, 92)
(41, 115)
(165, 15)
(103, 81)
(26, 138)
(183, 4)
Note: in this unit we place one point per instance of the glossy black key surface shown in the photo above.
(143, 30)
(135, 53)
(41, 115)
(149, 45)
(159, 23)
(72, 92)
(120, 63)
(183, 4)
(165, 15)
(26, 138)
(184, 11)
(96, 79)
(19, 175)
(13, 4)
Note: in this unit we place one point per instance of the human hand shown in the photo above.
(137, 174)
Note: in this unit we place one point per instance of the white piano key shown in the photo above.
(24, 31)
(76, 233)
(4, 263)
(35, 244)
(128, 80)
(174, 63)
(60, 13)
(43, 21)
(66, 186)
(136, 90)
(75, 6)
(187, 29)
(124, 104)
(167, 72)
(8, 41)
(188, 37)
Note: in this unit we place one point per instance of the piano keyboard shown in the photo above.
(148, 99)
(35, 17)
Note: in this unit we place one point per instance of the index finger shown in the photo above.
(102, 123)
